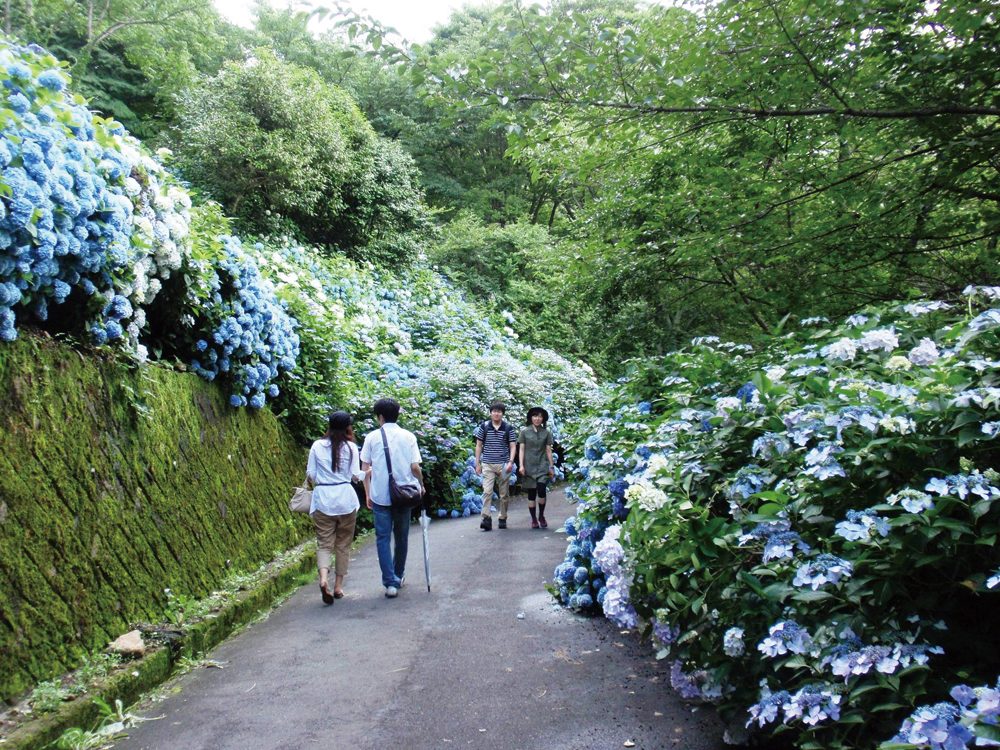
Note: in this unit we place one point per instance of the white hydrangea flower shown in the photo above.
(884, 339)
(647, 497)
(843, 350)
(925, 353)
(775, 374)
(898, 362)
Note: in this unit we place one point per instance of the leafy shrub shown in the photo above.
(808, 532)
(281, 150)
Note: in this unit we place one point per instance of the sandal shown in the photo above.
(327, 596)
(338, 594)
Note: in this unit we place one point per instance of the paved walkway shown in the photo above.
(453, 668)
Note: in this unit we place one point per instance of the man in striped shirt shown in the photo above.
(496, 445)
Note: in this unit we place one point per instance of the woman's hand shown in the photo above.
(368, 503)
(521, 471)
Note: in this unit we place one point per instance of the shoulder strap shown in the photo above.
(385, 445)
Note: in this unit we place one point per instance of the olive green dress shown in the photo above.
(536, 461)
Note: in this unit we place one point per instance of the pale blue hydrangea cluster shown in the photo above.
(862, 526)
(963, 485)
(971, 721)
(609, 555)
(732, 642)
(88, 214)
(785, 637)
(583, 582)
(913, 501)
(251, 336)
(854, 658)
(780, 542)
(821, 570)
(811, 704)
(821, 462)
(695, 685)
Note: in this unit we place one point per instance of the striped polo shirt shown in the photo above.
(496, 443)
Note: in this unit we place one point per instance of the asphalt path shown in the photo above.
(483, 660)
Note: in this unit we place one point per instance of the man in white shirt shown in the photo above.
(390, 522)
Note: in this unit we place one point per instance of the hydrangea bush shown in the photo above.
(413, 337)
(90, 221)
(86, 213)
(809, 531)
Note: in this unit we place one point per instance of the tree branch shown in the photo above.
(762, 112)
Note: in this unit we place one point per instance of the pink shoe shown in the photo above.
(543, 523)
(534, 523)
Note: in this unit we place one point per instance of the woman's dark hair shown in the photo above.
(336, 433)
(537, 410)
(386, 408)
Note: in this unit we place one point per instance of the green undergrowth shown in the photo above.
(119, 488)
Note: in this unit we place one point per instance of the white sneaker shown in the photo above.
(402, 581)
(391, 592)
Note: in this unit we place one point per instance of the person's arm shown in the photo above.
(513, 453)
(356, 474)
(552, 463)
(415, 460)
(367, 469)
(479, 452)
(520, 461)
(415, 468)
(310, 469)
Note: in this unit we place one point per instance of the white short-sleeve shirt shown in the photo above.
(334, 496)
(403, 451)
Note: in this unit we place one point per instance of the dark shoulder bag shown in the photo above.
(400, 495)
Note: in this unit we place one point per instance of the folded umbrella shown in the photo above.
(425, 523)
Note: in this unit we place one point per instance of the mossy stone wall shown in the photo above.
(115, 484)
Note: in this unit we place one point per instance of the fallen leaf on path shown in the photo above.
(251, 688)
(564, 655)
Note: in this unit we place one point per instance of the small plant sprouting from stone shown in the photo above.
(48, 696)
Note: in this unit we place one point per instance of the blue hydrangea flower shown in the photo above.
(732, 642)
(862, 526)
(785, 637)
(821, 570)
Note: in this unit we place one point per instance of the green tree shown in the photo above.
(749, 160)
(129, 59)
(281, 149)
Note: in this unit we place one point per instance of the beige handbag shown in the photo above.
(301, 500)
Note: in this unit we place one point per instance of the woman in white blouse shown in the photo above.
(333, 465)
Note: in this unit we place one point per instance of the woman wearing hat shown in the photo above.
(535, 460)
(333, 465)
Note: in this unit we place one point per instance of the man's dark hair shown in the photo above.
(387, 408)
(498, 406)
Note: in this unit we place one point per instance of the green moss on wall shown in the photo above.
(116, 483)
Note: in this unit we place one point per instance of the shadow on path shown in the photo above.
(452, 668)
